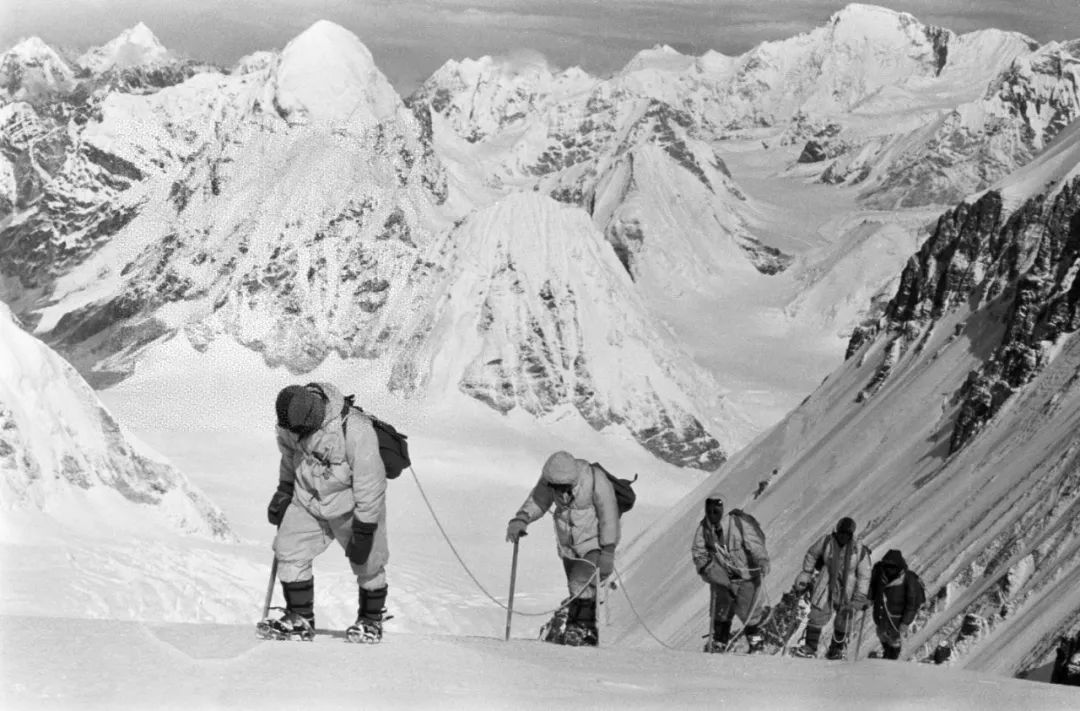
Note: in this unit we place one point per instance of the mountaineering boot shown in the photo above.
(810, 643)
(297, 618)
(836, 649)
(754, 639)
(300, 598)
(890, 652)
(720, 637)
(369, 617)
(581, 624)
(287, 626)
(554, 630)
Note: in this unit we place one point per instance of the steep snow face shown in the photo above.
(950, 433)
(530, 309)
(63, 454)
(976, 143)
(32, 70)
(327, 75)
(134, 47)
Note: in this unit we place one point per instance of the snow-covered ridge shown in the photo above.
(63, 454)
(911, 113)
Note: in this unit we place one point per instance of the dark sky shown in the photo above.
(411, 39)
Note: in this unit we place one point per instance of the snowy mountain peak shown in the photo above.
(534, 312)
(31, 48)
(878, 30)
(662, 57)
(134, 47)
(327, 75)
(32, 67)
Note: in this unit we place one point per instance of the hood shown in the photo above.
(562, 468)
(894, 559)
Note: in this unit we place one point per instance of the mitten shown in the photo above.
(802, 582)
(363, 538)
(859, 601)
(275, 511)
(515, 530)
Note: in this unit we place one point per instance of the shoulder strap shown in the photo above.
(350, 404)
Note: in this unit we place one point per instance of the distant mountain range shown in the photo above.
(296, 204)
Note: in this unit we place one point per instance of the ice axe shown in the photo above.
(513, 578)
(270, 588)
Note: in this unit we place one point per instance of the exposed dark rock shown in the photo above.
(812, 152)
(939, 38)
(1026, 264)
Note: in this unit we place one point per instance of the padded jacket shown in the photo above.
(586, 519)
(336, 472)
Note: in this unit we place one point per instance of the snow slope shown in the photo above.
(170, 666)
(949, 433)
(62, 454)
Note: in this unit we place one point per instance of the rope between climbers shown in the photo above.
(476, 581)
(565, 603)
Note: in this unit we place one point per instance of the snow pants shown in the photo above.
(302, 536)
(740, 598)
(888, 635)
(819, 617)
(579, 575)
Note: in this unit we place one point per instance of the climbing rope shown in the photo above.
(641, 621)
(565, 603)
(446, 537)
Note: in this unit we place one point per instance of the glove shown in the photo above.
(802, 582)
(859, 602)
(607, 562)
(902, 630)
(515, 530)
(363, 538)
(279, 502)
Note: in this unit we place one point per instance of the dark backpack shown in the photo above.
(624, 489)
(393, 445)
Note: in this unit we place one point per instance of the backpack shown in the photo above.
(393, 445)
(745, 521)
(624, 489)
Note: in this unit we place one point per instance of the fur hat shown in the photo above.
(846, 525)
(300, 409)
(560, 468)
(713, 499)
